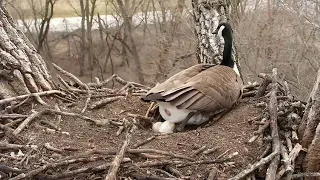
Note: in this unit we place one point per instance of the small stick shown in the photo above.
(288, 141)
(307, 174)
(198, 151)
(143, 142)
(58, 117)
(211, 150)
(174, 171)
(295, 152)
(266, 151)
(51, 148)
(121, 128)
(139, 117)
(286, 161)
(123, 82)
(12, 116)
(266, 81)
(44, 93)
(105, 101)
(112, 173)
(25, 157)
(90, 169)
(71, 76)
(104, 83)
(34, 172)
(27, 121)
(150, 156)
(148, 111)
(16, 146)
(255, 166)
(7, 169)
(53, 126)
(87, 101)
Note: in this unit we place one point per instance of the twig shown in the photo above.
(105, 101)
(261, 130)
(139, 117)
(87, 101)
(143, 142)
(136, 151)
(286, 162)
(288, 141)
(7, 169)
(44, 93)
(272, 170)
(12, 116)
(27, 121)
(25, 156)
(308, 174)
(123, 82)
(198, 151)
(266, 151)
(53, 126)
(255, 166)
(174, 171)
(58, 116)
(49, 147)
(211, 150)
(71, 76)
(266, 81)
(148, 111)
(112, 173)
(16, 146)
(34, 172)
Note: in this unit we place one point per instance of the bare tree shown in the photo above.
(22, 69)
(127, 23)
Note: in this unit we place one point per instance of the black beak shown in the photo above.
(216, 31)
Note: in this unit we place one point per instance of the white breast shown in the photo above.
(172, 114)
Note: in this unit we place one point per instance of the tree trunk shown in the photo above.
(207, 15)
(127, 20)
(22, 70)
(83, 39)
(311, 117)
(313, 155)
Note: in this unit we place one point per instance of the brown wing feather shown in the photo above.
(175, 82)
(216, 88)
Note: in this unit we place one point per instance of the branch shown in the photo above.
(272, 170)
(112, 173)
(7, 100)
(255, 166)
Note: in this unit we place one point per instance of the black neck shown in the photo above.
(227, 51)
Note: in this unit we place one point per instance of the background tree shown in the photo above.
(207, 16)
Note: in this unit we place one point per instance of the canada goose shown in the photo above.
(194, 94)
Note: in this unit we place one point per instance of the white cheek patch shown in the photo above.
(220, 30)
(235, 68)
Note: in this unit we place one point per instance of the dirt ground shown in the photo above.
(227, 136)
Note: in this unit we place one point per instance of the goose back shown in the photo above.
(200, 88)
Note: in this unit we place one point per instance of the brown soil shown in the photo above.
(229, 135)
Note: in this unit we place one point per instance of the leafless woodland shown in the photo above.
(281, 34)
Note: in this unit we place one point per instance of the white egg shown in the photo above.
(156, 126)
(167, 127)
